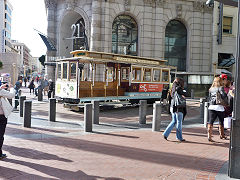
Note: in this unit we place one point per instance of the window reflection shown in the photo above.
(124, 35)
(176, 44)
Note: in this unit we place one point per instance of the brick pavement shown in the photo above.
(62, 151)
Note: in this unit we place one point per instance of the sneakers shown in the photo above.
(181, 140)
(3, 156)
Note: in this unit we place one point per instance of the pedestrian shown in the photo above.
(31, 86)
(5, 110)
(216, 109)
(50, 88)
(178, 113)
(231, 98)
(25, 81)
(45, 86)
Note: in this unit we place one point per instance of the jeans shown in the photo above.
(3, 124)
(177, 118)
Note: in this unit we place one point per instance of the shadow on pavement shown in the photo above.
(33, 154)
(117, 135)
(158, 157)
(58, 173)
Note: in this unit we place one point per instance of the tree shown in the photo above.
(42, 60)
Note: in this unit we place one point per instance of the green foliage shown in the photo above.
(42, 60)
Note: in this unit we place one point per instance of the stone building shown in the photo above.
(179, 31)
(224, 38)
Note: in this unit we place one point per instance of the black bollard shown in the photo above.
(22, 99)
(95, 112)
(52, 109)
(88, 117)
(142, 111)
(202, 101)
(40, 95)
(27, 114)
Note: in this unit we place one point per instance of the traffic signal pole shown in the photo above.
(234, 149)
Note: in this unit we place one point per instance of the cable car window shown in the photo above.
(100, 73)
(73, 70)
(156, 75)
(110, 74)
(59, 72)
(137, 74)
(147, 75)
(65, 70)
(165, 75)
(125, 73)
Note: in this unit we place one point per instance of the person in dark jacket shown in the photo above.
(178, 113)
(216, 110)
(31, 86)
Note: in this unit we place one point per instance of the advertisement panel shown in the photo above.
(66, 89)
(150, 87)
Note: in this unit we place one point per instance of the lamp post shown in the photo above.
(234, 149)
(14, 74)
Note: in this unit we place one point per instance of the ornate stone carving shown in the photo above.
(201, 6)
(160, 3)
(154, 3)
(70, 4)
(127, 5)
(50, 3)
(179, 10)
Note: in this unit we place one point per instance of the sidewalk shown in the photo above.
(119, 148)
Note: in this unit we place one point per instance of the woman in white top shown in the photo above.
(5, 110)
(216, 110)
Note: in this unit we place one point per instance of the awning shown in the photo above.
(47, 42)
(227, 62)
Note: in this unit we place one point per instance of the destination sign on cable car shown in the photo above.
(150, 87)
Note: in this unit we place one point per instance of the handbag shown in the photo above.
(179, 100)
(220, 100)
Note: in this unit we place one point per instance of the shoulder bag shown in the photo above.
(220, 100)
(179, 100)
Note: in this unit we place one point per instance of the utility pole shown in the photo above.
(234, 149)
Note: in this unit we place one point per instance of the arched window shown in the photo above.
(80, 42)
(124, 35)
(176, 44)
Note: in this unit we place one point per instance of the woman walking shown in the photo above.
(215, 109)
(178, 113)
(5, 110)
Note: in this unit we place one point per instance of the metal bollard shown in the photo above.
(206, 104)
(88, 117)
(27, 113)
(52, 109)
(202, 101)
(22, 99)
(192, 93)
(157, 111)
(95, 112)
(40, 95)
(142, 111)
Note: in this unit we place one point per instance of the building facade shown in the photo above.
(25, 66)
(179, 31)
(5, 25)
(224, 38)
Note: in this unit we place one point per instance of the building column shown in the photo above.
(95, 42)
(51, 6)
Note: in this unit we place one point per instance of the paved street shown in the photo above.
(118, 148)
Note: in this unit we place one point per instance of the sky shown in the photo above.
(28, 15)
